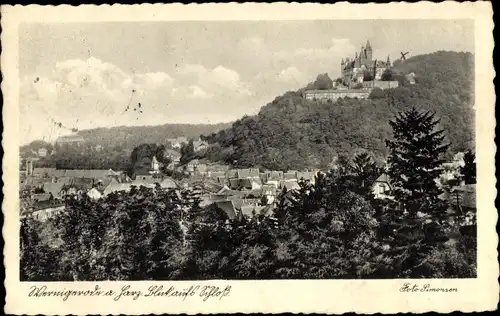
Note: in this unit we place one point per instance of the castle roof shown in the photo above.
(368, 45)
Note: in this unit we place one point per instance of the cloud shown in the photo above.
(89, 93)
(291, 75)
(219, 80)
(338, 48)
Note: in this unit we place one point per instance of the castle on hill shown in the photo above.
(362, 67)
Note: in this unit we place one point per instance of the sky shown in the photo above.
(84, 75)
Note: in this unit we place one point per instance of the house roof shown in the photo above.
(168, 183)
(54, 188)
(41, 197)
(49, 171)
(116, 187)
(86, 173)
(467, 195)
(228, 207)
(290, 185)
(172, 153)
(384, 177)
(199, 143)
(250, 210)
(94, 193)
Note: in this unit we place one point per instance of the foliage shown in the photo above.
(187, 152)
(415, 161)
(367, 75)
(387, 75)
(322, 82)
(468, 171)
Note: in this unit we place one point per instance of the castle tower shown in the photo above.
(368, 51)
(362, 55)
(342, 66)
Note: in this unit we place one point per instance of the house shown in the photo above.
(176, 143)
(247, 173)
(382, 187)
(44, 172)
(94, 194)
(173, 155)
(463, 198)
(245, 184)
(251, 210)
(289, 185)
(70, 140)
(98, 148)
(191, 166)
(115, 186)
(410, 77)
(199, 145)
(168, 183)
(270, 192)
(229, 208)
(53, 188)
(77, 186)
(290, 176)
(42, 152)
(155, 165)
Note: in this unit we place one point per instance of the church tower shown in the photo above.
(369, 51)
(388, 61)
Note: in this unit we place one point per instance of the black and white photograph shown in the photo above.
(195, 150)
(247, 150)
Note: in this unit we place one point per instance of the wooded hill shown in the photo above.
(294, 133)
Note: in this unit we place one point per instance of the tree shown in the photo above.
(387, 75)
(363, 171)
(468, 171)
(187, 152)
(322, 82)
(367, 75)
(415, 161)
(414, 165)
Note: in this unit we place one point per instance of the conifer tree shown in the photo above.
(415, 161)
(468, 171)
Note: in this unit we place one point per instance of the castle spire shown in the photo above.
(368, 45)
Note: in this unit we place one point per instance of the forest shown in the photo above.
(293, 133)
(332, 228)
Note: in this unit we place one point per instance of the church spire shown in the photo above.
(368, 45)
(388, 61)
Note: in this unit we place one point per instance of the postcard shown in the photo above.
(249, 158)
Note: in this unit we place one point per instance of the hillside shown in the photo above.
(117, 145)
(293, 133)
(133, 136)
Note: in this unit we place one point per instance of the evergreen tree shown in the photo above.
(414, 164)
(468, 171)
(363, 172)
(415, 161)
(187, 152)
(387, 75)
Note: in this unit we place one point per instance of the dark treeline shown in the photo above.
(294, 133)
